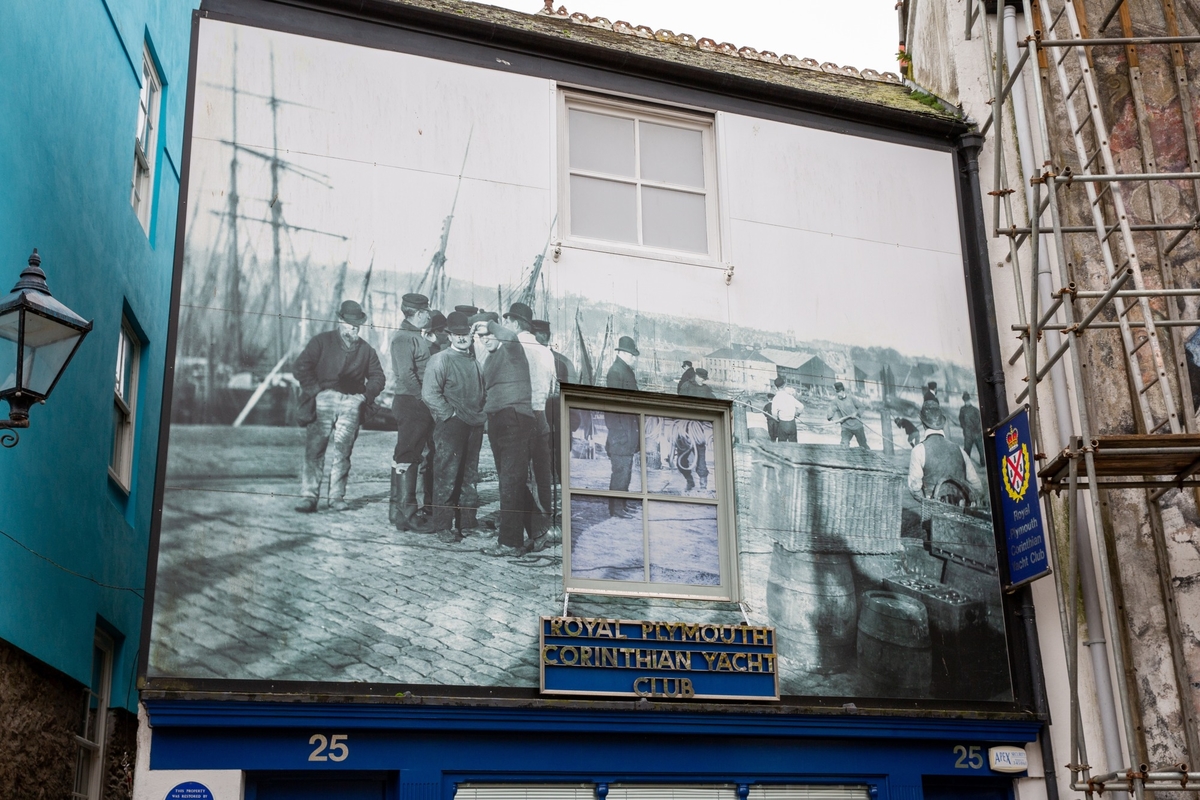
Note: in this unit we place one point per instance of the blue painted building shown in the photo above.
(92, 108)
(697, 586)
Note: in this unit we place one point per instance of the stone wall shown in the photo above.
(40, 713)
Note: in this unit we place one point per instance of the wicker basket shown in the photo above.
(826, 498)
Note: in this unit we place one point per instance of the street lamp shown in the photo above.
(38, 336)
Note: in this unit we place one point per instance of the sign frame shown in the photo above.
(701, 646)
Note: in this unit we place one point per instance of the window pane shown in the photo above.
(672, 155)
(120, 436)
(600, 143)
(674, 220)
(603, 209)
(679, 457)
(125, 367)
(606, 539)
(684, 547)
(604, 445)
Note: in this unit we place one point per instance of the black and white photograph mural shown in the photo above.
(367, 453)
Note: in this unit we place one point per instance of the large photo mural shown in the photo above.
(382, 295)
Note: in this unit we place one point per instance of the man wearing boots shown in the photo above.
(453, 391)
(414, 424)
(543, 383)
(509, 408)
(339, 374)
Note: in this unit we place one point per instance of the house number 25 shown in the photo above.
(968, 757)
(332, 749)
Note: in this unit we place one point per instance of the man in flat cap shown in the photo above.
(697, 386)
(453, 390)
(938, 469)
(434, 333)
(623, 440)
(786, 407)
(469, 505)
(848, 412)
(972, 427)
(543, 384)
(339, 374)
(414, 424)
(686, 379)
(510, 428)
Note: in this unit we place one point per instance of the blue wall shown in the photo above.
(68, 112)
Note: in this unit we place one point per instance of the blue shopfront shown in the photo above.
(412, 751)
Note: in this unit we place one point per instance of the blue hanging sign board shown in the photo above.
(1024, 529)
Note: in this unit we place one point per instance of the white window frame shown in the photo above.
(89, 764)
(629, 109)
(719, 412)
(125, 403)
(145, 142)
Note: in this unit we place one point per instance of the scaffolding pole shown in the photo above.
(1165, 455)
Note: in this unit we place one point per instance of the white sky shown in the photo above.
(856, 33)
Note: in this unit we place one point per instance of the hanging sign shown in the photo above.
(657, 660)
(1024, 530)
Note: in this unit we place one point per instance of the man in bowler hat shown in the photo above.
(414, 425)
(339, 374)
(623, 440)
(453, 390)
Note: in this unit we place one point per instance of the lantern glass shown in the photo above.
(10, 327)
(46, 347)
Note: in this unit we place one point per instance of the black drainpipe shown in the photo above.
(980, 286)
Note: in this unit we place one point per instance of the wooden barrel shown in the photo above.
(812, 604)
(894, 656)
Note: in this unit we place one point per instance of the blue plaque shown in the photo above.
(657, 660)
(190, 791)
(1024, 528)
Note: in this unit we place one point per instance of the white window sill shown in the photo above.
(636, 251)
(118, 482)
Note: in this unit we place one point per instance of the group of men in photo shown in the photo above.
(453, 374)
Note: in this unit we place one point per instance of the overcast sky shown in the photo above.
(856, 33)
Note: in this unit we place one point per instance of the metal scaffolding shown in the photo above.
(1059, 303)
